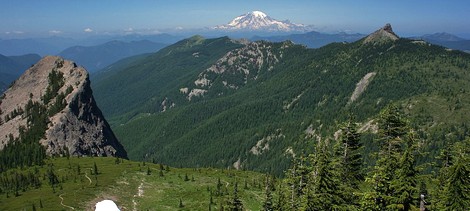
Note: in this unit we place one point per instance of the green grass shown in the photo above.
(121, 183)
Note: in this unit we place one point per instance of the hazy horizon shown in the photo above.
(78, 19)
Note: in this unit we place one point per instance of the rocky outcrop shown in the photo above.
(78, 127)
(236, 68)
(382, 35)
(361, 86)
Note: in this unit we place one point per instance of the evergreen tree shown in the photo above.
(349, 153)
(297, 180)
(348, 157)
(95, 169)
(218, 188)
(236, 204)
(456, 194)
(78, 169)
(405, 182)
(392, 127)
(323, 189)
(268, 203)
(281, 203)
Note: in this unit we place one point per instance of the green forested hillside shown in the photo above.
(262, 101)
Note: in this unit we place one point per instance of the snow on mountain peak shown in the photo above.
(259, 21)
(258, 14)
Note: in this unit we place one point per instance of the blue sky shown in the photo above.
(72, 17)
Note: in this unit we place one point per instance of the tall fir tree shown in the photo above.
(297, 180)
(236, 203)
(268, 202)
(456, 179)
(348, 149)
(323, 189)
(405, 182)
(392, 129)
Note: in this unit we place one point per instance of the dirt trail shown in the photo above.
(62, 202)
(140, 193)
(86, 175)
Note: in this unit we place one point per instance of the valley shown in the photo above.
(161, 106)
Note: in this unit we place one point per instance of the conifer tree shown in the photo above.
(268, 203)
(349, 153)
(281, 203)
(236, 204)
(405, 182)
(95, 169)
(456, 180)
(297, 180)
(323, 191)
(392, 128)
(349, 160)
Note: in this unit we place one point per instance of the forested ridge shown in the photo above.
(265, 118)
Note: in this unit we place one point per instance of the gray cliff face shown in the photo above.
(79, 128)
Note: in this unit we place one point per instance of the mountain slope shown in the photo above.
(52, 104)
(94, 58)
(254, 106)
(162, 71)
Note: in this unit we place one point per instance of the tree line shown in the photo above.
(335, 177)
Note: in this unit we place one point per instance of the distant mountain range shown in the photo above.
(11, 67)
(41, 46)
(56, 44)
(447, 40)
(96, 57)
(255, 25)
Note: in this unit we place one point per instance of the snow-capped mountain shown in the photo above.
(259, 21)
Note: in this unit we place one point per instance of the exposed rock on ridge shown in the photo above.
(236, 68)
(79, 128)
(384, 34)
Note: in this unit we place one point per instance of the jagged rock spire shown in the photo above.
(382, 35)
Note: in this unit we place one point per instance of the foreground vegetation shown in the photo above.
(66, 183)
(334, 177)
